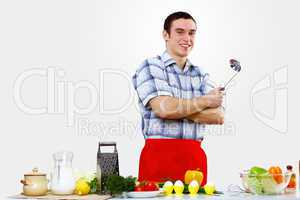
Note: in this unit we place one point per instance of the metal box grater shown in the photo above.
(107, 164)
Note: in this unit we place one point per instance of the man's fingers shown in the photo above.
(215, 91)
(220, 95)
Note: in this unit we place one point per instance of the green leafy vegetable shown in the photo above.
(255, 184)
(161, 184)
(129, 183)
(258, 171)
(93, 184)
(116, 184)
(269, 185)
(186, 189)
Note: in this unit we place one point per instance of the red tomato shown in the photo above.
(138, 188)
(151, 186)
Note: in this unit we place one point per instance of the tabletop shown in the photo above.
(226, 196)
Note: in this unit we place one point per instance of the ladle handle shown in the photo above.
(223, 88)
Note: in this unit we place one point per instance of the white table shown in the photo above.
(226, 196)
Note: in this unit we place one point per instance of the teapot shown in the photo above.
(35, 183)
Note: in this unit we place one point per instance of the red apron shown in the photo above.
(169, 159)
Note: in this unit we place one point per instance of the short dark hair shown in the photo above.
(174, 16)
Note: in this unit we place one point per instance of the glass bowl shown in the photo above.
(265, 183)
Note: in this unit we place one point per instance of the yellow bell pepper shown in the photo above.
(191, 175)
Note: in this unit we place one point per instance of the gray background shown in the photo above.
(80, 39)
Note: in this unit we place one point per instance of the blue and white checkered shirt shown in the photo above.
(161, 76)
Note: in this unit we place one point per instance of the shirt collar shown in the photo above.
(168, 60)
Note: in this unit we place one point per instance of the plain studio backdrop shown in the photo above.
(65, 81)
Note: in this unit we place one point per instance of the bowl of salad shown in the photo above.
(259, 181)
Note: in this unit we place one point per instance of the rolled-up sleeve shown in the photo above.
(150, 81)
(206, 85)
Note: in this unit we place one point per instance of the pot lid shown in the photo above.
(35, 172)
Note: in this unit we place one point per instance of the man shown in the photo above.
(175, 105)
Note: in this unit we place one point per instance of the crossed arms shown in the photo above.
(204, 109)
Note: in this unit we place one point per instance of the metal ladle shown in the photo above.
(235, 65)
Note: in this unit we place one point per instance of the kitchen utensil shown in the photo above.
(107, 164)
(62, 180)
(35, 183)
(235, 65)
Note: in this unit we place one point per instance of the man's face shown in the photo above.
(180, 41)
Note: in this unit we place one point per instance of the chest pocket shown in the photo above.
(173, 81)
(174, 84)
(197, 86)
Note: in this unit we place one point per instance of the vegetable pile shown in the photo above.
(116, 185)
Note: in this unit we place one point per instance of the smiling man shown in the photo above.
(175, 105)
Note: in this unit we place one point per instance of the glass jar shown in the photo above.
(62, 178)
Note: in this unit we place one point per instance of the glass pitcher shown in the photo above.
(62, 178)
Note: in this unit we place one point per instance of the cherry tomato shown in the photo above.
(138, 188)
(151, 186)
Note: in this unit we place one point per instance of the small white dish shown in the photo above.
(144, 194)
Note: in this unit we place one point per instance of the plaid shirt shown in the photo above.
(161, 76)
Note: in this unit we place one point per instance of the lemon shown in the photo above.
(82, 187)
(209, 188)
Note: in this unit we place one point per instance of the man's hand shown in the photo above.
(214, 98)
(209, 116)
(216, 91)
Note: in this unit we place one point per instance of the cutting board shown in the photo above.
(63, 197)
